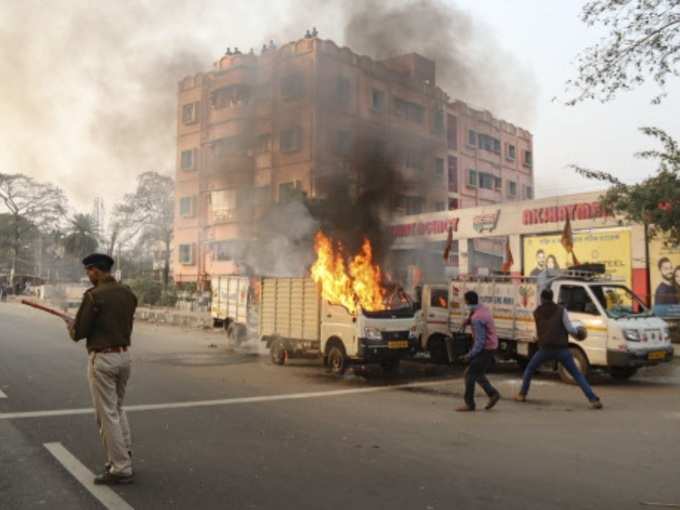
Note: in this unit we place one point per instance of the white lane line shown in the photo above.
(226, 401)
(2, 395)
(104, 494)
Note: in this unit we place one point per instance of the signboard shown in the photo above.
(425, 228)
(608, 247)
(664, 274)
(559, 213)
(486, 222)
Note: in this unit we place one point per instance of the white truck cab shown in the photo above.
(623, 334)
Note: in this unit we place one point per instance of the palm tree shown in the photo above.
(81, 239)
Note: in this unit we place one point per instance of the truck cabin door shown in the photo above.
(581, 305)
(437, 310)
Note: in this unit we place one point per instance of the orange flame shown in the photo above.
(354, 283)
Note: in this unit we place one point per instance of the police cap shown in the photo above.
(98, 260)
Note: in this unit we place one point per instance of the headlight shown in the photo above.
(372, 334)
(632, 335)
(413, 332)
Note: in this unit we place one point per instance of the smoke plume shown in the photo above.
(471, 65)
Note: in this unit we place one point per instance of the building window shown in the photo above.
(453, 174)
(439, 206)
(343, 90)
(497, 183)
(377, 100)
(186, 207)
(472, 138)
(452, 132)
(409, 111)
(438, 122)
(188, 159)
(290, 139)
(223, 250)
(343, 142)
(486, 181)
(453, 204)
(528, 192)
(527, 159)
(512, 189)
(412, 205)
(439, 168)
(510, 153)
(263, 143)
(413, 159)
(230, 96)
(223, 205)
(489, 143)
(186, 254)
(472, 181)
(289, 191)
(293, 86)
(190, 113)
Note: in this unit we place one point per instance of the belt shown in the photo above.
(115, 348)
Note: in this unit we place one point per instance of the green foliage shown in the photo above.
(82, 236)
(150, 292)
(656, 200)
(643, 40)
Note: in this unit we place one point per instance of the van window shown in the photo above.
(576, 299)
(439, 298)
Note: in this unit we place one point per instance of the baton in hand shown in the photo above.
(47, 309)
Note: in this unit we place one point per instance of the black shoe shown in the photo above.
(596, 404)
(108, 478)
(493, 401)
(108, 465)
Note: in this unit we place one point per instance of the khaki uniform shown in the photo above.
(105, 319)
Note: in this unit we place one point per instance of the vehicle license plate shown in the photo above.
(398, 344)
(656, 355)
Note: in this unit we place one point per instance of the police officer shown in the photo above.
(105, 319)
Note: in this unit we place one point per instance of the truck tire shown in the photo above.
(622, 373)
(278, 352)
(337, 360)
(581, 362)
(390, 366)
(437, 350)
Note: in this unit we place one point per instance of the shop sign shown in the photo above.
(486, 222)
(424, 228)
(559, 213)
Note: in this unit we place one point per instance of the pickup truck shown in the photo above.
(623, 334)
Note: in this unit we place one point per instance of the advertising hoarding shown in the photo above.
(664, 275)
(609, 247)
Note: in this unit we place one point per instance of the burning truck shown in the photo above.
(344, 312)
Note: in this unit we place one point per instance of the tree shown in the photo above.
(643, 40)
(30, 204)
(148, 214)
(654, 201)
(81, 238)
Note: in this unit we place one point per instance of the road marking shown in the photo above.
(104, 494)
(2, 395)
(227, 401)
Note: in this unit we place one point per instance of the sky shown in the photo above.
(88, 89)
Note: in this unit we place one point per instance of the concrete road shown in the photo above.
(312, 441)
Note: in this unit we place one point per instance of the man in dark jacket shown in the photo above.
(553, 328)
(105, 319)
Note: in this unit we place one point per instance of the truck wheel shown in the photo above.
(581, 362)
(437, 349)
(622, 373)
(390, 366)
(337, 360)
(278, 352)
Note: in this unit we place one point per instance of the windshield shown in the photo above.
(397, 304)
(618, 301)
